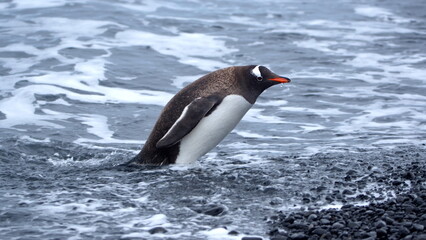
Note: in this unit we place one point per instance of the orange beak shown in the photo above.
(280, 79)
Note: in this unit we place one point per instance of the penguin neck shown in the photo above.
(251, 93)
(250, 90)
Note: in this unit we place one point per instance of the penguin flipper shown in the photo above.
(190, 117)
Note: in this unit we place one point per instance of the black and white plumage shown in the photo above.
(199, 116)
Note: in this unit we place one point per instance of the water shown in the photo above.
(82, 83)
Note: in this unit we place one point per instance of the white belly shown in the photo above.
(212, 129)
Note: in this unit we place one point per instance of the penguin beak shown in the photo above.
(280, 79)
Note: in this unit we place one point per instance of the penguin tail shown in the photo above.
(134, 162)
(138, 163)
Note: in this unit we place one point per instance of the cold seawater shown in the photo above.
(82, 83)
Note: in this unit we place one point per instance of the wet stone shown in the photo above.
(298, 236)
(380, 224)
(157, 230)
(402, 217)
(347, 192)
(381, 233)
(418, 227)
(319, 231)
(347, 206)
(420, 237)
(403, 231)
(251, 238)
(312, 217)
(214, 211)
(353, 225)
(279, 238)
(389, 220)
(337, 225)
(407, 224)
(301, 226)
(325, 221)
(289, 219)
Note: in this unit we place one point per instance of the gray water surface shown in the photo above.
(82, 83)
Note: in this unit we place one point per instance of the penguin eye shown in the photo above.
(256, 73)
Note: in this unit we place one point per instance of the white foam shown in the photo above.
(256, 43)
(57, 160)
(149, 5)
(68, 30)
(57, 101)
(179, 81)
(20, 109)
(98, 126)
(273, 103)
(393, 68)
(189, 48)
(155, 220)
(368, 60)
(380, 109)
(254, 115)
(27, 4)
(219, 234)
(379, 13)
(293, 27)
(398, 140)
(332, 206)
(372, 11)
(311, 127)
(31, 139)
(238, 145)
(323, 46)
(81, 206)
(322, 112)
(248, 134)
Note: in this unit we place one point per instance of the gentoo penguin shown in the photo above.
(200, 115)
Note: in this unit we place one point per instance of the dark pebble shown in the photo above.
(279, 238)
(319, 231)
(389, 220)
(289, 219)
(325, 221)
(402, 217)
(418, 227)
(397, 183)
(157, 230)
(363, 234)
(407, 224)
(353, 225)
(337, 225)
(251, 238)
(381, 233)
(301, 226)
(233, 233)
(420, 237)
(298, 236)
(347, 192)
(403, 231)
(347, 206)
(312, 217)
(380, 224)
(214, 211)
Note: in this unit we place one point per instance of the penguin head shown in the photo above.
(263, 77)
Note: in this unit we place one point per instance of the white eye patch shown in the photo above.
(256, 72)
